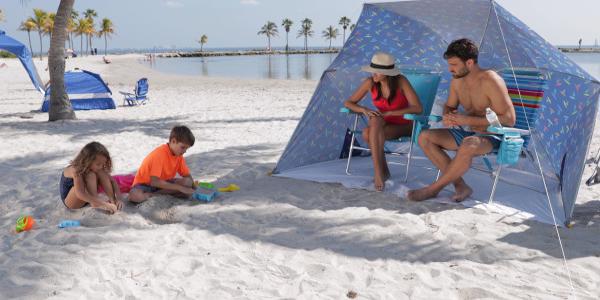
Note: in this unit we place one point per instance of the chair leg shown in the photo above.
(351, 145)
(439, 172)
(410, 151)
(495, 184)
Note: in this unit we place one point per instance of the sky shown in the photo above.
(235, 23)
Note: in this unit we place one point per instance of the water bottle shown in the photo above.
(492, 118)
(68, 223)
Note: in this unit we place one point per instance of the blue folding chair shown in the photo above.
(425, 84)
(139, 95)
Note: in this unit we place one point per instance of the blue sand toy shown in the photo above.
(204, 194)
(68, 223)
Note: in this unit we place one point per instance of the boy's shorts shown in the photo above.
(459, 134)
(146, 188)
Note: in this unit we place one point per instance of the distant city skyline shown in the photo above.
(235, 23)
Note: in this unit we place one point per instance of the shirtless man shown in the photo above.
(475, 89)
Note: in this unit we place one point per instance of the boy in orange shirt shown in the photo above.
(157, 173)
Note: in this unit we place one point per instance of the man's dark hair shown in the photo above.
(182, 134)
(464, 49)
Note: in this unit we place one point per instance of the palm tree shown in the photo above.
(306, 31)
(352, 27)
(90, 14)
(330, 33)
(106, 30)
(80, 30)
(344, 21)
(203, 40)
(269, 29)
(39, 19)
(286, 23)
(71, 27)
(60, 105)
(28, 25)
(49, 24)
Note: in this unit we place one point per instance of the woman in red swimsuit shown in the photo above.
(393, 96)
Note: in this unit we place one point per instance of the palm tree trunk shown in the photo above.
(60, 105)
(286, 41)
(81, 46)
(329, 44)
(29, 36)
(344, 38)
(105, 44)
(269, 43)
(87, 44)
(201, 45)
(41, 48)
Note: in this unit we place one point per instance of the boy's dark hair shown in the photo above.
(182, 134)
(464, 49)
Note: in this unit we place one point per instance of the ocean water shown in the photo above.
(295, 66)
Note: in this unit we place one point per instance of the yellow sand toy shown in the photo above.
(230, 188)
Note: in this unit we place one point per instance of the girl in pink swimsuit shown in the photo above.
(393, 96)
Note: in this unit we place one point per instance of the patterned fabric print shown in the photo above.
(566, 124)
(442, 20)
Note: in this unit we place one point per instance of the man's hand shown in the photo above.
(186, 190)
(449, 119)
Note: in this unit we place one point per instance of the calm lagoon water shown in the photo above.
(295, 66)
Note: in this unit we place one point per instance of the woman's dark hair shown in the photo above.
(393, 82)
(464, 49)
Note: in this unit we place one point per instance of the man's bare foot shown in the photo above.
(463, 191)
(379, 182)
(422, 194)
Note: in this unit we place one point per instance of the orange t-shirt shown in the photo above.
(161, 163)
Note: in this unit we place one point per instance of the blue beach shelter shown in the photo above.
(86, 90)
(15, 47)
(417, 33)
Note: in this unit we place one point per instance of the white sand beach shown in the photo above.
(276, 238)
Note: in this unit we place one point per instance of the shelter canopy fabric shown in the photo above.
(15, 47)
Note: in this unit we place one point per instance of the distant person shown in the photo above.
(393, 96)
(3, 65)
(80, 180)
(475, 90)
(580, 40)
(157, 173)
(106, 60)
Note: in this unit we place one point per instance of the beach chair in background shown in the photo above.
(526, 90)
(139, 95)
(425, 83)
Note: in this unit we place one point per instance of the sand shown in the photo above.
(276, 238)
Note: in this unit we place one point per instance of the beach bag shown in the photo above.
(346, 145)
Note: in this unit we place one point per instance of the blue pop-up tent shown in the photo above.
(15, 47)
(86, 90)
(417, 34)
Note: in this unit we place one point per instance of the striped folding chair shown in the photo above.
(526, 89)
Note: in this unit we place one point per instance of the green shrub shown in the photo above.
(6, 54)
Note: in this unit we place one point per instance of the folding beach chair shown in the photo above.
(425, 84)
(139, 95)
(526, 89)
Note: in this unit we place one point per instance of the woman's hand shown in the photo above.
(371, 113)
(118, 203)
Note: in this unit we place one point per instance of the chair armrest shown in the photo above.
(420, 118)
(346, 110)
(508, 130)
(126, 94)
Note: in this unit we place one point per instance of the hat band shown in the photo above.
(376, 66)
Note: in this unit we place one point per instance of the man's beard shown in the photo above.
(464, 72)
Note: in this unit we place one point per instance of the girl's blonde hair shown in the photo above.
(87, 155)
